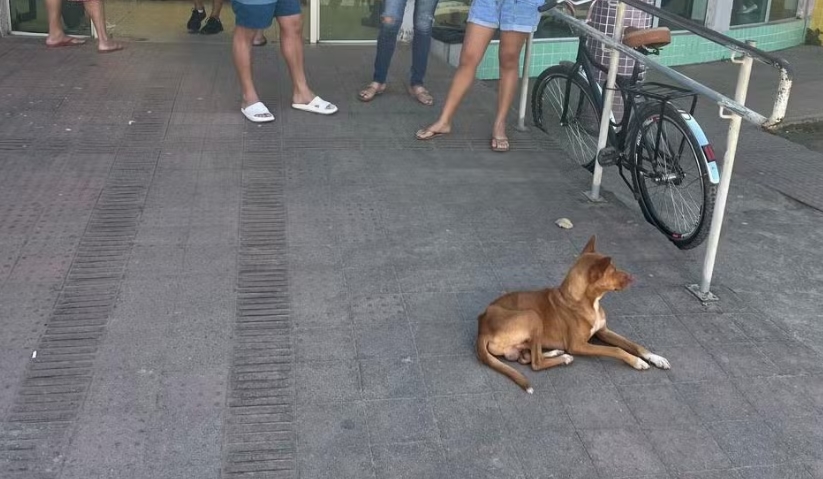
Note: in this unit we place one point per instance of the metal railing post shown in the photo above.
(524, 85)
(608, 100)
(703, 291)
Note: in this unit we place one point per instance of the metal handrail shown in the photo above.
(786, 70)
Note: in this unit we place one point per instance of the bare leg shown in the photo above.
(56, 33)
(291, 46)
(241, 50)
(216, 8)
(259, 38)
(94, 9)
(509, 57)
(198, 4)
(474, 47)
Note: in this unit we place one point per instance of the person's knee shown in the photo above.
(291, 26)
(423, 24)
(509, 61)
(389, 23)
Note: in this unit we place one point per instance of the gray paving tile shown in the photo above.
(455, 375)
(333, 427)
(596, 408)
(716, 474)
(802, 435)
(445, 338)
(389, 339)
(716, 401)
(693, 363)
(471, 418)
(324, 344)
(479, 461)
(391, 378)
(749, 443)
(621, 452)
(393, 421)
(657, 405)
(685, 448)
(792, 357)
(785, 471)
(320, 382)
(413, 460)
(776, 397)
(744, 360)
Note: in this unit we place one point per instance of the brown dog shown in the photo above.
(519, 325)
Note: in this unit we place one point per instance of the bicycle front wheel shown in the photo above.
(563, 107)
(671, 175)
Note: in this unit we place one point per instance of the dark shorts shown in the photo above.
(260, 16)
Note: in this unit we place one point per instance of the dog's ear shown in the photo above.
(598, 269)
(589, 248)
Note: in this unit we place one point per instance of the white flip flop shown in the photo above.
(252, 111)
(317, 105)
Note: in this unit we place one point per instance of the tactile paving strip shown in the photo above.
(259, 438)
(56, 381)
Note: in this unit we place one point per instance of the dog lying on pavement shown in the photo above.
(518, 326)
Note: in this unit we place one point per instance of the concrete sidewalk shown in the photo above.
(210, 298)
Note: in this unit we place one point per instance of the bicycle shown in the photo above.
(674, 173)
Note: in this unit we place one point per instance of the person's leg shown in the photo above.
(198, 14)
(94, 10)
(422, 39)
(509, 57)
(57, 36)
(390, 21)
(248, 20)
(474, 47)
(216, 8)
(213, 24)
(291, 46)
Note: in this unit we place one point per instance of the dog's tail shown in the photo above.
(489, 360)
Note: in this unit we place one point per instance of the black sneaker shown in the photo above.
(212, 26)
(194, 21)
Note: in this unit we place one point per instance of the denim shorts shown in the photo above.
(255, 15)
(507, 15)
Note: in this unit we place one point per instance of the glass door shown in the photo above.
(30, 16)
(349, 20)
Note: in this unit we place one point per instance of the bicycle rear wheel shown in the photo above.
(676, 195)
(577, 133)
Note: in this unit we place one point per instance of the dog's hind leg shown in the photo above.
(610, 337)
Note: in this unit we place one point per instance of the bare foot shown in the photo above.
(63, 41)
(109, 46)
(372, 90)
(433, 131)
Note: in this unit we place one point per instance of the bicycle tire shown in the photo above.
(671, 174)
(580, 134)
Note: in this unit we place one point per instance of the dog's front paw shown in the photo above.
(567, 358)
(658, 361)
(640, 365)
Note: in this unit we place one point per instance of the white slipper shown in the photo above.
(317, 105)
(253, 111)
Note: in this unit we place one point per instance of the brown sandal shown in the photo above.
(422, 95)
(500, 145)
(369, 93)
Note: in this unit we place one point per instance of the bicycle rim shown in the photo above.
(577, 136)
(672, 182)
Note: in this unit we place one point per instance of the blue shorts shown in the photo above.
(507, 15)
(258, 16)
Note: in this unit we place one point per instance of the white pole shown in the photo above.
(742, 89)
(608, 99)
(524, 85)
(314, 21)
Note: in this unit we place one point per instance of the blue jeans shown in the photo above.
(390, 22)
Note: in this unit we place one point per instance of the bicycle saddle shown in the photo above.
(653, 38)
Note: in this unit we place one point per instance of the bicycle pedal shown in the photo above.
(608, 156)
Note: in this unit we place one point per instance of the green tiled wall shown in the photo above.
(685, 48)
